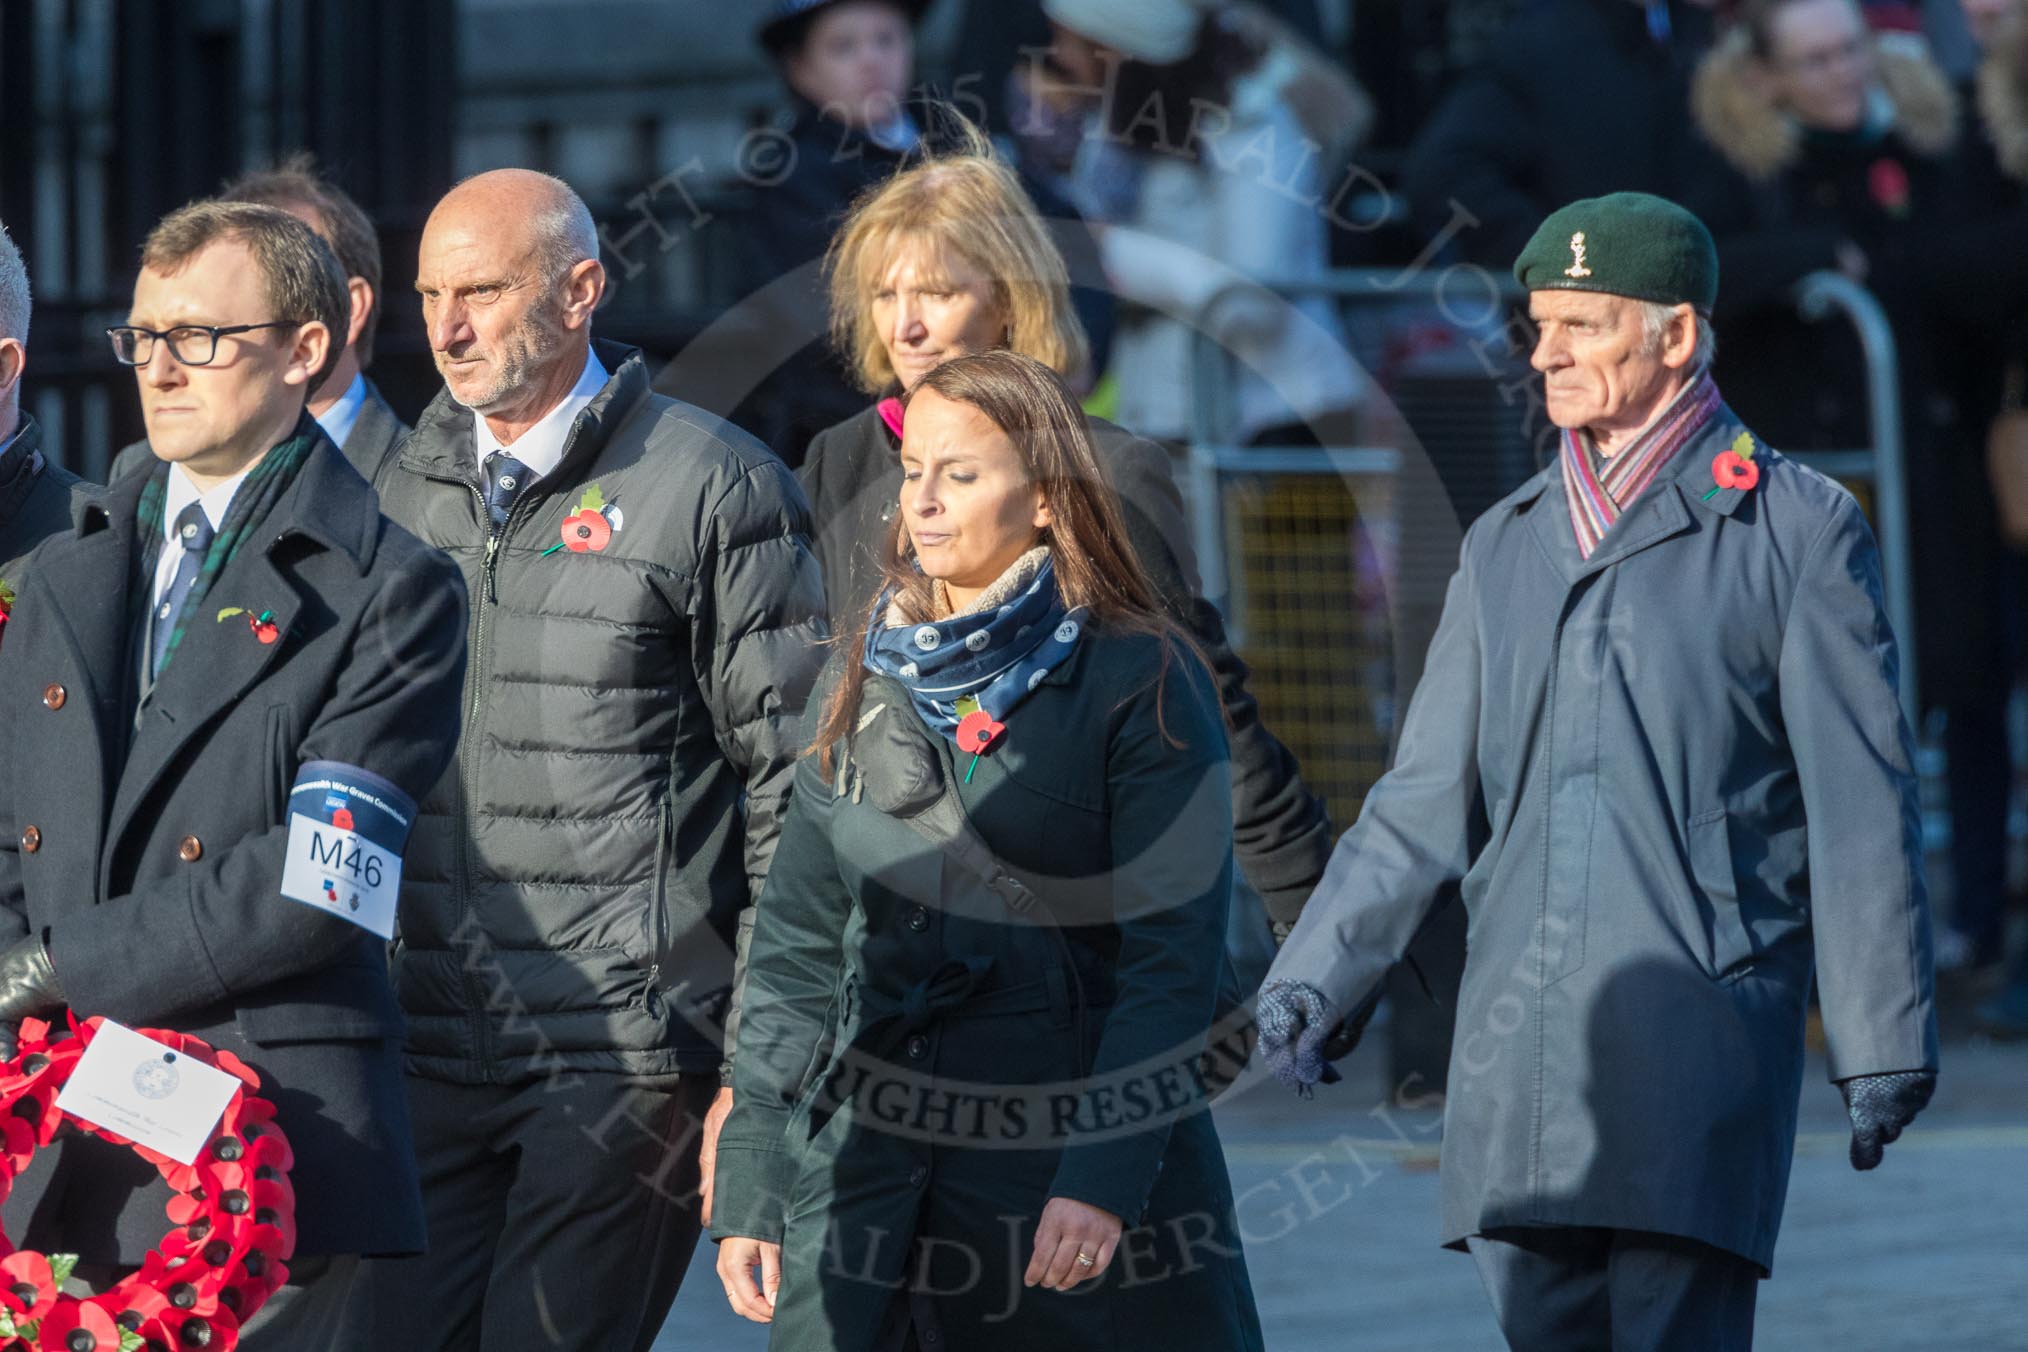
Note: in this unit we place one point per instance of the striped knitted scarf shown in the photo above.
(251, 503)
(1599, 490)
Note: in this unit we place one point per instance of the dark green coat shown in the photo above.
(928, 1135)
(35, 498)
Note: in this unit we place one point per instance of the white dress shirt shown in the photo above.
(541, 446)
(181, 493)
(338, 420)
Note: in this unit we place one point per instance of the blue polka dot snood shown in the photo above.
(989, 658)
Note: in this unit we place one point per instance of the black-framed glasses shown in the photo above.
(190, 344)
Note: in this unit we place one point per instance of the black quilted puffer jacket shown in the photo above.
(575, 883)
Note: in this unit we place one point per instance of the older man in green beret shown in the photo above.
(1658, 743)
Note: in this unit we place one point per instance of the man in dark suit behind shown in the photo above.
(34, 494)
(211, 628)
(346, 405)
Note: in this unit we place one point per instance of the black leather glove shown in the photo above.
(1880, 1107)
(28, 985)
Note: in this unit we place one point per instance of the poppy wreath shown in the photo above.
(234, 1215)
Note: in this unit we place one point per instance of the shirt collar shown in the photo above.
(540, 448)
(339, 419)
(182, 492)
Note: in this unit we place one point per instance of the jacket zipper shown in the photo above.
(475, 996)
(475, 666)
(475, 663)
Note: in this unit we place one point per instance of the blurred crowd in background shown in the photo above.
(1179, 147)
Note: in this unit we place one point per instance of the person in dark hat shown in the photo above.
(857, 116)
(1521, 128)
(1659, 745)
(848, 65)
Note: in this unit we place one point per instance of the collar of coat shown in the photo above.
(2003, 99)
(324, 506)
(441, 444)
(1690, 476)
(19, 466)
(1738, 115)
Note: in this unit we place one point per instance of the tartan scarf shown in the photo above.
(255, 498)
(1599, 490)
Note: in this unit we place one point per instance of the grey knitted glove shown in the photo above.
(1880, 1107)
(1295, 1022)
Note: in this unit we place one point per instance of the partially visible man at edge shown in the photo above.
(35, 494)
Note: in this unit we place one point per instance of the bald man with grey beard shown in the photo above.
(645, 625)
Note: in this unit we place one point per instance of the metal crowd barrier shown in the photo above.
(1215, 463)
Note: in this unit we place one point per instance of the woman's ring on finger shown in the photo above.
(1083, 1259)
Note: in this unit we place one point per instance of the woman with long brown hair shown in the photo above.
(950, 256)
(969, 1100)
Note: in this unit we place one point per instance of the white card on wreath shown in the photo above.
(153, 1095)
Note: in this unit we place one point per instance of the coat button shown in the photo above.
(918, 1047)
(918, 919)
(31, 839)
(191, 850)
(918, 1175)
(53, 697)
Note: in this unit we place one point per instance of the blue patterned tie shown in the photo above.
(193, 533)
(505, 477)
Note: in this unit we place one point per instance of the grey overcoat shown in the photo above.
(1674, 779)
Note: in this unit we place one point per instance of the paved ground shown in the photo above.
(1927, 1254)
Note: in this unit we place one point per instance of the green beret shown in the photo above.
(1624, 244)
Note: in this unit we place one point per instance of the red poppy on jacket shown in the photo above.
(586, 531)
(977, 731)
(1887, 181)
(1733, 470)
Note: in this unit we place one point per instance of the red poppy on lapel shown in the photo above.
(1887, 182)
(262, 626)
(590, 528)
(977, 731)
(1735, 468)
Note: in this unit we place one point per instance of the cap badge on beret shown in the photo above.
(1628, 244)
(1577, 267)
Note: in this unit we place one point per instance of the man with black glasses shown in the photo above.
(347, 405)
(226, 644)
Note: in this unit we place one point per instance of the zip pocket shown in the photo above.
(658, 906)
